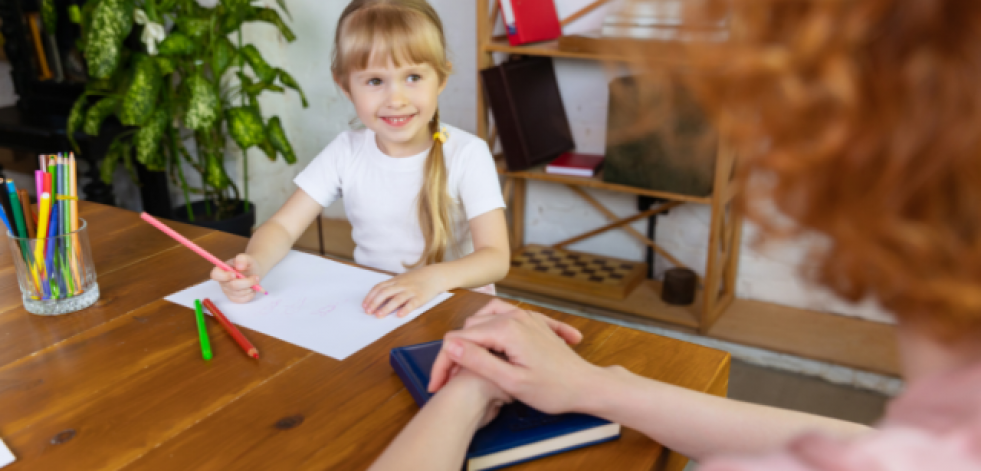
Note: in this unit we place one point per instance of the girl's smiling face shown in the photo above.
(397, 103)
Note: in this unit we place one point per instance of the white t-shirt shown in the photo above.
(381, 193)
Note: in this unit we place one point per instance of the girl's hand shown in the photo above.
(540, 369)
(238, 290)
(403, 293)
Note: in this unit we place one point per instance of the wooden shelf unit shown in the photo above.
(725, 232)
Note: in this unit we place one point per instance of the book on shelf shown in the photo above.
(528, 21)
(528, 112)
(518, 433)
(575, 164)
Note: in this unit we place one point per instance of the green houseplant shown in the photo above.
(175, 72)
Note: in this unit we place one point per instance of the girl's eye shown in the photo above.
(415, 78)
(374, 81)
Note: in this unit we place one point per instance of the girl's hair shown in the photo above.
(407, 32)
(860, 120)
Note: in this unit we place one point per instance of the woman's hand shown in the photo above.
(538, 367)
(485, 391)
(404, 293)
(238, 290)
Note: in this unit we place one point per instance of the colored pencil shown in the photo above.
(6, 222)
(236, 334)
(25, 202)
(5, 203)
(191, 245)
(16, 208)
(44, 213)
(202, 331)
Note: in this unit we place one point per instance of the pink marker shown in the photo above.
(191, 245)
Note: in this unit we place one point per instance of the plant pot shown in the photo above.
(239, 224)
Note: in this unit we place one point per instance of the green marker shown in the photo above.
(202, 330)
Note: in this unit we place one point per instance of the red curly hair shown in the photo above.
(860, 120)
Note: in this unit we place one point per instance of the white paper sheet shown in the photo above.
(313, 302)
(6, 457)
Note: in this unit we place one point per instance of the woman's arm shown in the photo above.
(438, 436)
(544, 372)
(488, 263)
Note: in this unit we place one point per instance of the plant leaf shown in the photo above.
(165, 65)
(49, 16)
(176, 44)
(76, 118)
(148, 152)
(141, 97)
(282, 5)
(268, 149)
(268, 15)
(215, 174)
(108, 165)
(224, 55)
(194, 27)
(202, 108)
(111, 22)
(262, 69)
(277, 137)
(286, 79)
(98, 113)
(245, 126)
(253, 89)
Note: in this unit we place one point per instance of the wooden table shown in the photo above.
(121, 385)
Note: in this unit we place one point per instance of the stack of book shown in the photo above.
(663, 20)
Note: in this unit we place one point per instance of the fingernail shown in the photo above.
(455, 349)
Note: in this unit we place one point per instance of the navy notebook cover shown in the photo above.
(518, 433)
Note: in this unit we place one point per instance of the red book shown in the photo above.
(528, 21)
(577, 165)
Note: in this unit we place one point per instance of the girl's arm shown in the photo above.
(489, 262)
(438, 436)
(543, 372)
(268, 245)
(274, 238)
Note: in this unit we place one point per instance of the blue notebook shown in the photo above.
(519, 433)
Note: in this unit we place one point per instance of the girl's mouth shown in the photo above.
(397, 121)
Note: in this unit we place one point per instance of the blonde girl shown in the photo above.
(423, 197)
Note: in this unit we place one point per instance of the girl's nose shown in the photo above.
(397, 97)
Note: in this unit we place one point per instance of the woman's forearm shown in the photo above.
(438, 436)
(699, 425)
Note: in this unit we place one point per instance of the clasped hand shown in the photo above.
(537, 366)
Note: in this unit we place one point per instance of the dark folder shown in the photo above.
(528, 112)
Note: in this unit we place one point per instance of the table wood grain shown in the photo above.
(121, 385)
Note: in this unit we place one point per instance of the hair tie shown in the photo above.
(441, 136)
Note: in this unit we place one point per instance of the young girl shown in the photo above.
(423, 197)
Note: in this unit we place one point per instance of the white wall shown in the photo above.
(553, 212)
